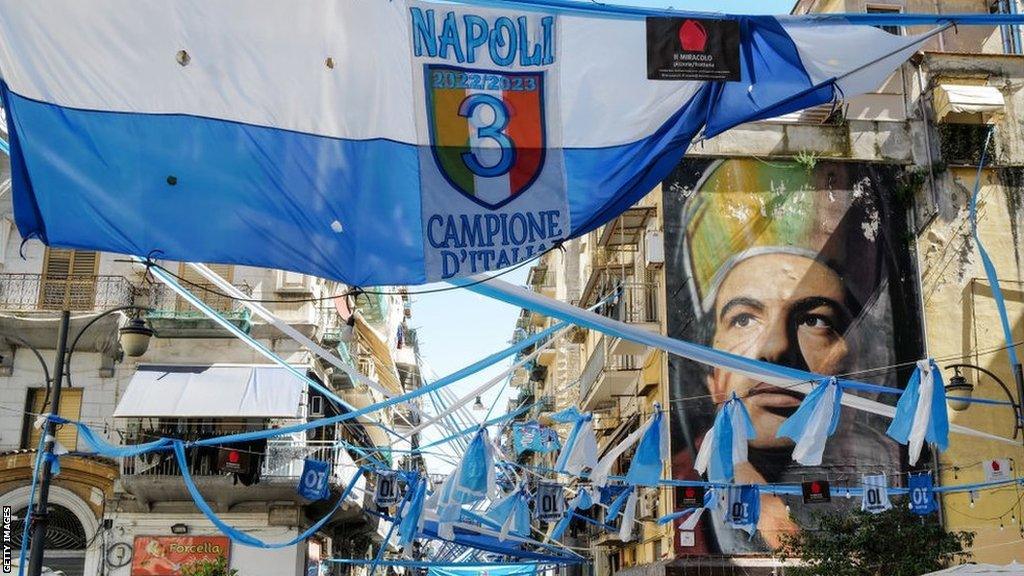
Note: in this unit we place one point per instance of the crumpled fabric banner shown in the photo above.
(480, 135)
(814, 421)
(725, 444)
(921, 413)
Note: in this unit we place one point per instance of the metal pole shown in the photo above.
(39, 516)
(1018, 375)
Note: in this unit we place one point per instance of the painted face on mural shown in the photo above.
(784, 309)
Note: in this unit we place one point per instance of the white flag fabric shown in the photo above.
(379, 142)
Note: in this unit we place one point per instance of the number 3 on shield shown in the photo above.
(493, 131)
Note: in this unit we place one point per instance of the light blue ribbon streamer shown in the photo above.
(413, 512)
(36, 467)
(437, 385)
(231, 531)
(990, 269)
(475, 427)
(937, 432)
(796, 426)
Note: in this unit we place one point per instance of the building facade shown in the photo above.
(867, 200)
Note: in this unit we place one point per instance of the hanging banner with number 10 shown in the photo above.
(313, 482)
(922, 494)
(743, 508)
(876, 494)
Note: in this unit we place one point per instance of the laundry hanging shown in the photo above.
(478, 136)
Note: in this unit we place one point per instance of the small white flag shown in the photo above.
(997, 470)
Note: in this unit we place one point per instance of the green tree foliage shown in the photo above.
(218, 567)
(892, 543)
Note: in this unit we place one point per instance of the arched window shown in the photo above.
(63, 531)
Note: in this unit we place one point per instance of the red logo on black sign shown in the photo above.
(693, 37)
(816, 491)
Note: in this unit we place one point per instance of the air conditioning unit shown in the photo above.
(654, 249)
(648, 504)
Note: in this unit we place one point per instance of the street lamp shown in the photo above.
(959, 392)
(134, 339)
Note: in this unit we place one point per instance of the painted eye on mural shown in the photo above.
(817, 322)
(742, 320)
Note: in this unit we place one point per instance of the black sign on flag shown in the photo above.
(693, 49)
(689, 496)
(816, 491)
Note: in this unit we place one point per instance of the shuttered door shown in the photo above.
(196, 283)
(69, 280)
(70, 408)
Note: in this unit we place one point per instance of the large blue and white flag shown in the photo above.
(381, 142)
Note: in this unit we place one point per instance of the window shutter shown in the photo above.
(70, 408)
(69, 279)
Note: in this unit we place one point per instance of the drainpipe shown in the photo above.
(1018, 48)
(926, 126)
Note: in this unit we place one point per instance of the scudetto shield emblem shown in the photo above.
(487, 130)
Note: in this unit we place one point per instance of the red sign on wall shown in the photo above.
(166, 555)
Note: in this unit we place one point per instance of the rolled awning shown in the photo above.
(962, 99)
(217, 391)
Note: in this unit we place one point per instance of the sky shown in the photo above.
(458, 327)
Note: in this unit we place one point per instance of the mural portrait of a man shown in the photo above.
(794, 265)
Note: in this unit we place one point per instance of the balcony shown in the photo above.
(543, 281)
(637, 304)
(172, 316)
(156, 477)
(624, 232)
(608, 375)
(36, 292)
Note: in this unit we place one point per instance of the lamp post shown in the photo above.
(959, 392)
(134, 339)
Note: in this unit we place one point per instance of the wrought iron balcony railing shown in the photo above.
(167, 304)
(26, 292)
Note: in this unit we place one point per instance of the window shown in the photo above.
(316, 405)
(69, 279)
(877, 9)
(70, 408)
